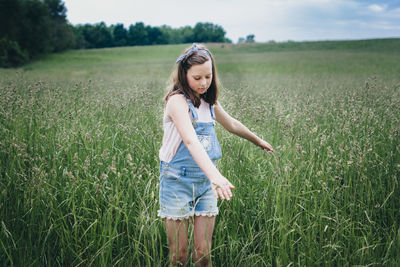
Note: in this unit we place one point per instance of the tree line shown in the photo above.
(100, 35)
(29, 28)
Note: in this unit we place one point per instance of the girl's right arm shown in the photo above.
(177, 109)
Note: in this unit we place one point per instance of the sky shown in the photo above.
(278, 20)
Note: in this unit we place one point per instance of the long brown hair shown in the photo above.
(178, 79)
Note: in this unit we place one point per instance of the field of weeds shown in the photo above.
(80, 133)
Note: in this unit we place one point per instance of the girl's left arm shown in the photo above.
(234, 126)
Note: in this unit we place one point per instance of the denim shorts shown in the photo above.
(185, 192)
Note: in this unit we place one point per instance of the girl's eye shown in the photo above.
(197, 78)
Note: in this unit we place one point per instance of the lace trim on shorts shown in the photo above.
(197, 213)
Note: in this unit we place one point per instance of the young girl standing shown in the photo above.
(189, 181)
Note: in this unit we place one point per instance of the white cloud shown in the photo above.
(384, 25)
(393, 13)
(377, 8)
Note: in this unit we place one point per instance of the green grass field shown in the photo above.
(80, 133)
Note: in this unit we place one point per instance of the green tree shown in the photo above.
(208, 32)
(11, 54)
(10, 12)
(156, 36)
(80, 40)
(137, 34)
(97, 36)
(29, 28)
(61, 33)
(177, 36)
(187, 34)
(250, 38)
(57, 9)
(120, 35)
(170, 35)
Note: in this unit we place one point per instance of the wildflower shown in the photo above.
(314, 130)
(71, 176)
(349, 162)
(112, 168)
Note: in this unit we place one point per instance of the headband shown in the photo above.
(194, 48)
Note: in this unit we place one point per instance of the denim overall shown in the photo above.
(184, 188)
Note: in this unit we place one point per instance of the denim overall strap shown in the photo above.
(192, 110)
(205, 132)
(212, 112)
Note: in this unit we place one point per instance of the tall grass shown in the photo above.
(80, 133)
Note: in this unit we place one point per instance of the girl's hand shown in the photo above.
(264, 145)
(222, 187)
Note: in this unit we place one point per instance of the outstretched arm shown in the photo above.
(236, 127)
(177, 109)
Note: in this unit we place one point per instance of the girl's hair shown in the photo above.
(194, 55)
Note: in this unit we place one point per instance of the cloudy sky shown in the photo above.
(278, 20)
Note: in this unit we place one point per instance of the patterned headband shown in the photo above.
(191, 51)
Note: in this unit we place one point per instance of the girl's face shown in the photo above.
(199, 77)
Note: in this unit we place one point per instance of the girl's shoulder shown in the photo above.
(176, 99)
(176, 103)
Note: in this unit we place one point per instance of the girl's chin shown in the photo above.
(200, 92)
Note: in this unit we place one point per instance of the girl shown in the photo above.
(189, 181)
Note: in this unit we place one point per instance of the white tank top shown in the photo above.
(172, 139)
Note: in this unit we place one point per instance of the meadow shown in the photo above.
(80, 133)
